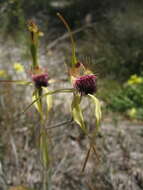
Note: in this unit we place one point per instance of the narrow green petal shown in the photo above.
(49, 100)
(97, 109)
(36, 98)
(77, 112)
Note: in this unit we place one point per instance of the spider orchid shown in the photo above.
(85, 84)
(40, 77)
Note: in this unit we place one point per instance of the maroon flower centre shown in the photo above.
(78, 64)
(40, 80)
(86, 84)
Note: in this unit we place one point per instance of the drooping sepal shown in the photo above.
(49, 100)
(97, 110)
(77, 112)
(36, 98)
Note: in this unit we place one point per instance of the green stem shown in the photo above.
(34, 55)
(33, 49)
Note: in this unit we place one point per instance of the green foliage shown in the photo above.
(129, 99)
(12, 16)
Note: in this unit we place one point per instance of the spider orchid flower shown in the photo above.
(83, 80)
(85, 84)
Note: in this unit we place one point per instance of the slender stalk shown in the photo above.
(49, 93)
(71, 37)
(60, 124)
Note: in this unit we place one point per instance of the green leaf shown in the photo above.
(36, 98)
(97, 109)
(77, 112)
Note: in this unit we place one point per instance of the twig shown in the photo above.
(86, 159)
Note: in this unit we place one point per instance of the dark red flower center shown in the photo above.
(86, 84)
(40, 80)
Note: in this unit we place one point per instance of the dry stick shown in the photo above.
(92, 147)
(66, 35)
(87, 156)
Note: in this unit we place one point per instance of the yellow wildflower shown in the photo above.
(3, 73)
(40, 33)
(18, 67)
(132, 112)
(134, 79)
